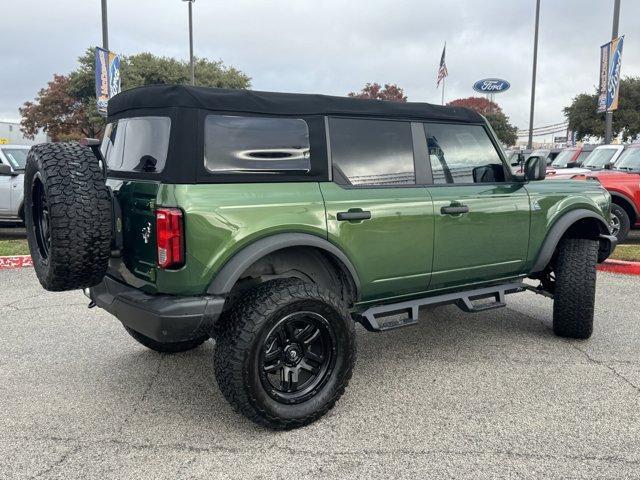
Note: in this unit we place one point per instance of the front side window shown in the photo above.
(372, 152)
(17, 157)
(235, 144)
(138, 144)
(462, 154)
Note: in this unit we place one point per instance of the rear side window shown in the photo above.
(462, 154)
(234, 144)
(372, 152)
(137, 144)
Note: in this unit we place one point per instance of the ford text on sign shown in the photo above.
(491, 85)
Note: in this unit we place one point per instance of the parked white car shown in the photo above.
(12, 161)
(598, 159)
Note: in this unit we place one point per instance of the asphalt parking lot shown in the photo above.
(489, 395)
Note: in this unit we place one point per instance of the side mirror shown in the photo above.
(6, 171)
(534, 169)
(608, 166)
(572, 164)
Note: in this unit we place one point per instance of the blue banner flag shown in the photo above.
(107, 78)
(610, 66)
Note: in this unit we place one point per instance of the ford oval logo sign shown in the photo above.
(491, 85)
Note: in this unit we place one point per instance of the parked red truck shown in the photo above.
(623, 182)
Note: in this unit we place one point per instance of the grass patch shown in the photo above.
(13, 247)
(630, 253)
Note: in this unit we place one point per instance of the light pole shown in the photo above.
(608, 128)
(533, 75)
(105, 26)
(193, 69)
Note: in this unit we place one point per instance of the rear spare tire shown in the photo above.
(67, 216)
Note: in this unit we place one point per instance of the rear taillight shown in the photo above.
(170, 237)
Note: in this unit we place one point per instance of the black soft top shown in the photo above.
(249, 101)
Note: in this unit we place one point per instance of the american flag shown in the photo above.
(442, 71)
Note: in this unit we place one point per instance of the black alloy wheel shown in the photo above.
(298, 356)
(40, 210)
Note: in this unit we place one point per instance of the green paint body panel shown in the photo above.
(393, 251)
(489, 242)
(408, 248)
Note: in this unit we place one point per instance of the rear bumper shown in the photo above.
(164, 318)
(607, 246)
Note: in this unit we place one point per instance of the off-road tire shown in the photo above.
(575, 288)
(79, 215)
(167, 347)
(239, 341)
(624, 222)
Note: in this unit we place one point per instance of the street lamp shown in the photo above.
(533, 75)
(608, 129)
(105, 28)
(193, 70)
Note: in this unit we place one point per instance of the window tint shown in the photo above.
(256, 144)
(138, 144)
(462, 154)
(372, 152)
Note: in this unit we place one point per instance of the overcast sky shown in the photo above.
(333, 46)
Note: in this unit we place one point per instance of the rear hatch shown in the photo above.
(136, 220)
(135, 150)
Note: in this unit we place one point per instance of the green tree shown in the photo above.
(507, 133)
(66, 107)
(585, 120)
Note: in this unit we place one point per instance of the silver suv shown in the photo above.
(12, 161)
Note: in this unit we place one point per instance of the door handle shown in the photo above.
(353, 215)
(454, 209)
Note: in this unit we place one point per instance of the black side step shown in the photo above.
(371, 318)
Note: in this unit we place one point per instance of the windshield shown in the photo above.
(563, 158)
(543, 154)
(599, 158)
(629, 160)
(17, 157)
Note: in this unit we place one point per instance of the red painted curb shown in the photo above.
(620, 266)
(16, 261)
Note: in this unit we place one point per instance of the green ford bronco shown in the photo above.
(274, 222)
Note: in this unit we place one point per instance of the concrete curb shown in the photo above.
(620, 266)
(15, 261)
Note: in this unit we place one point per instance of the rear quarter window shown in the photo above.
(137, 144)
(245, 145)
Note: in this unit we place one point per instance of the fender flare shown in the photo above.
(626, 199)
(227, 276)
(558, 230)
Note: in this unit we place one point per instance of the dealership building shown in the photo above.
(10, 133)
